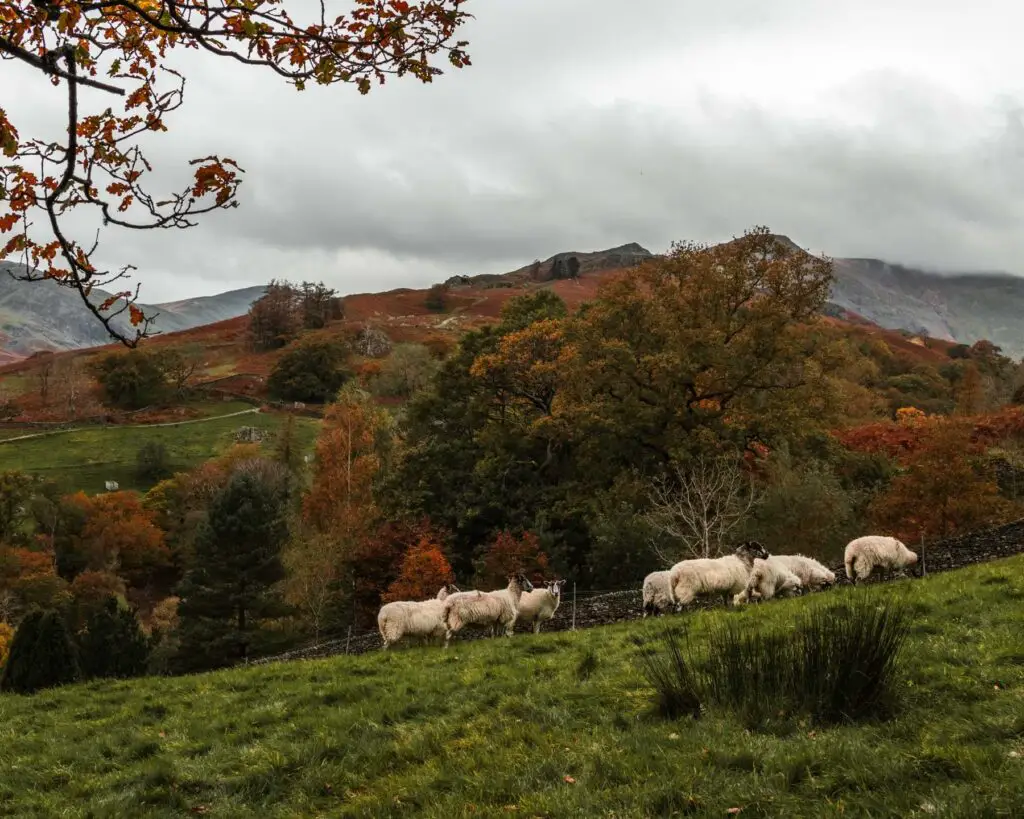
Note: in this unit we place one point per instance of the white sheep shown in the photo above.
(722, 576)
(539, 606)
(768, 578)
(865, 554)
(493, 609)
(418, 620)
(658, 592)
(813, 575)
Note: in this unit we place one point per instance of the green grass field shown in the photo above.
(514, 728)
(84, 459)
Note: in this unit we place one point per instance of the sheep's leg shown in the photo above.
(536, 627)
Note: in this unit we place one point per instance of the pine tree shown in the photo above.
(42, 655)
(229, 591)
(113, 644)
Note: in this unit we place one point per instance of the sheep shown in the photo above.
(495, 608)
(813, 575)
(865, 554)
(419, 620)
(538, 606)
(724, 576)
(767, 579)
(657, 593)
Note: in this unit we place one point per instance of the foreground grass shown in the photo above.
(556, 725)
(84, 459)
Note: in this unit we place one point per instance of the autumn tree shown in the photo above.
(437, 297)
(123, 50)
(16, 491)
(229, 592)
(509, 553)
(424, 571)
(44, 375)
(274, 318)
(409, 368)
(352, 449)
(943, 488)
(180, 364)
(318, 304)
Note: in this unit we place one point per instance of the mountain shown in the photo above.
(963, 307)
(44, 315)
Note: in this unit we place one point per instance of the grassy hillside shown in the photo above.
(531, 727)
(86, 458)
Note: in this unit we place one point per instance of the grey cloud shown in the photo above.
(505, 161)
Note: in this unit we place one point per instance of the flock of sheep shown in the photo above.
(749, 574)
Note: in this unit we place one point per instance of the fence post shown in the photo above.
(574, 606)
(924, 567)
(348, 639)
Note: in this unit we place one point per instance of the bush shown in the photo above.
(437, 297)
(837, 664)
(676, 686)
(113, 644)
(310, 370)
(42, 655)
(131, 380)
(152, 463)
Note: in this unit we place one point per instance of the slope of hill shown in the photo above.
(540, 725)
(43, 315)
(963, 307)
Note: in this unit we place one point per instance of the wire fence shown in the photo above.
(587, 608)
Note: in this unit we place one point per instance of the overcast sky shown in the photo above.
(866, 128)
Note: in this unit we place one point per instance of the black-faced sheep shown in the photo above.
(721, 576)
(865, 554)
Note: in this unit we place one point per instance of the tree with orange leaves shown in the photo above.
(354, 443)
(508, 554)
(120, 48)
(424, 570)
(942, 490)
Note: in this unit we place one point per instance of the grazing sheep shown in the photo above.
(658, 592)
(813, 575)
(418, 620)
(768, 578)
(538, 606)
(722, 576)
(489, 609)
(865, 554)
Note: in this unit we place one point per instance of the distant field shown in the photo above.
(85, 459)
(548, 726)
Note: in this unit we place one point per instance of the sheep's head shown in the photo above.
(751, 550)
(522, 580)
(555, 586)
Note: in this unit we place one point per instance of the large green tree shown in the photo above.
(229, 592)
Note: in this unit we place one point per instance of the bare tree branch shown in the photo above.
(697, 507)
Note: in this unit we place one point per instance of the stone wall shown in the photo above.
(615, 607)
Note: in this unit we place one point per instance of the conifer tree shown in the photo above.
(113, 644)
(42, 655)
(229, 592)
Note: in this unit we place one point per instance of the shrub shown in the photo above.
(437, 297)
(152, 463)
(131, 380)
(42, 655)
(837, 664)
(676, 686)
(6, 635)
(113, 644)
(311, 370)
